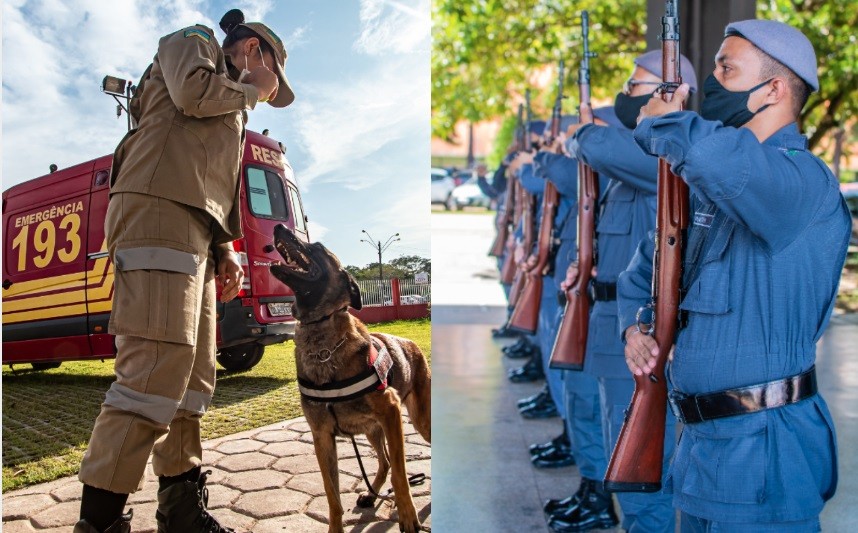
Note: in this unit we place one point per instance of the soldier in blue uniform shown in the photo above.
(766, 244)
(627, 214)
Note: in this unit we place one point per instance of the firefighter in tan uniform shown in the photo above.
(172, 215)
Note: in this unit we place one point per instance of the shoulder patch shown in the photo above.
(194, 32)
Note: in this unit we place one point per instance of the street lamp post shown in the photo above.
(377, 246)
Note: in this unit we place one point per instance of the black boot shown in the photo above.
(570, 503)
(596, 511)
(520, 344)
(101, 511)
(121, 525)
(520, 353)
(536, 398)
(544, 409)
(553, 458)
(559, 441)
(182, 507)
(531, 371)
(503, 331)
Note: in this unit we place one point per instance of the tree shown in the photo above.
(486, 52)
(830, 26)
(412, 264)
(401, 267)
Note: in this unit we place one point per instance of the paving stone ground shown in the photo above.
(265, 480)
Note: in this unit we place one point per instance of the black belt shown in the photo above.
(744, 400)
(603, 291)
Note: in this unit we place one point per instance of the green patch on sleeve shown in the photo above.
(193, 32)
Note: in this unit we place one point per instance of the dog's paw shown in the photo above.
(410, 527)
(367, 499)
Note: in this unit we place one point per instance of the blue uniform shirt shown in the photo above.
(627, 214)
(769, 230)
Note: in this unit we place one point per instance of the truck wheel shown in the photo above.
(241, 357)
(45, 366)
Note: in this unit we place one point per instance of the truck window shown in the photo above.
(265, 194)
(300, 224)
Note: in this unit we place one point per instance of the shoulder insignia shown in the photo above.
(194, 32)
(792, 152)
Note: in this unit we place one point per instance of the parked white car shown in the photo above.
(469, 193)
(442, 188)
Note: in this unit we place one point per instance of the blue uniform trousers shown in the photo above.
(546, 332)
(693, 524)
(584, 421)
(642, 512)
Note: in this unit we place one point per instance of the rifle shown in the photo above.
(637, 459)
(527, 217)
(526, 314)
(570, 345)
(506, 219)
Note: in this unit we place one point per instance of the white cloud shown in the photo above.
(390, 26)
(297, 39)
(344, 126)
(317, 231)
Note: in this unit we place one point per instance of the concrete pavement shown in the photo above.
(264, 480)
(482, 474)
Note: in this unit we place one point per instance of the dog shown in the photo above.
(331, 348)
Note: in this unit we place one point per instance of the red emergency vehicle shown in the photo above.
(58, 278)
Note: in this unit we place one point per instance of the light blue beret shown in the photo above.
(782, 42)
(651, 62)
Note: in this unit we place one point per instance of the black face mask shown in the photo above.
(628, 108)
(730, 107)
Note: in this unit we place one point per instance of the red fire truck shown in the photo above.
(58, 278)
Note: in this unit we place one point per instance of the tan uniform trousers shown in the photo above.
(164, 320)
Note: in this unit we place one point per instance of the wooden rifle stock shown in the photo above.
(504, 222)
(525, 316)
(528, 224)
(637, 460)
(570, 345)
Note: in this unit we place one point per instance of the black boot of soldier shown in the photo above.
(539, 397)
(570, 503)
(101, 512)
(182, 502)
(559, 441)
(596, 511)
(531, 371)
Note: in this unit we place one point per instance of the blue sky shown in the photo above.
(358, 134)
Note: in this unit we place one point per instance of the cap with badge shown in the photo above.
(233, 19)
(782, 42)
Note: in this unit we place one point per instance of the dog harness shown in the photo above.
(373, 378)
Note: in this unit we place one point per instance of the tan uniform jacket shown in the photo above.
(190, 120)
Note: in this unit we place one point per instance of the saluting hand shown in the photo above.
(657, 107)
(641, 352)
(229, 275)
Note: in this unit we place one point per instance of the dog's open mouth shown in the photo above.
(292, 252)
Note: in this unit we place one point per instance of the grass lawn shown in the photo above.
(438, 208)
(48, 415)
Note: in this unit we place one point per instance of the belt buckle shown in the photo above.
(673, 399)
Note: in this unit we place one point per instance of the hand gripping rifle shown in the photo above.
(571, 342)
(506, 217)
(526, 314)
(637, 459)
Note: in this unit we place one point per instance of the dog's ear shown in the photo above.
(354, 292)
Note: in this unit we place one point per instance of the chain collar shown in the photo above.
(320, 355)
